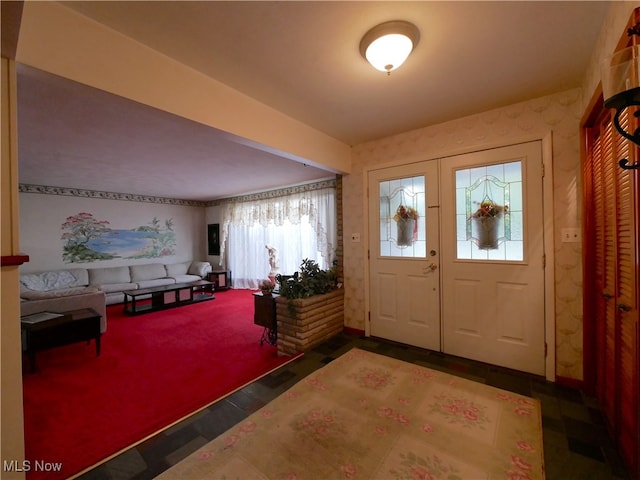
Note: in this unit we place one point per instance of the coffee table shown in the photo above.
(167, 296)
(45, 330)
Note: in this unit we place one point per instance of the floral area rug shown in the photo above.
(369, 416)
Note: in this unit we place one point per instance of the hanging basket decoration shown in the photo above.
(488, 220)
(407, 224)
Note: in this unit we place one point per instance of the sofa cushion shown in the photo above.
(64, 292)
(117, 287)
(54, 280)
(147, 272)
(174, 269)
(186, 278)
(156, 282)
(103, 276)
(199, 268)
(82, 276)
(114, 297)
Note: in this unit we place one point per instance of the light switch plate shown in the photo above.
(571, 235)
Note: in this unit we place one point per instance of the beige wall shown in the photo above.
(11, 426)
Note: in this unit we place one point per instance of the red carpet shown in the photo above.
(154, 369)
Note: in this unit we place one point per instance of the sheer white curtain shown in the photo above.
(299, 225)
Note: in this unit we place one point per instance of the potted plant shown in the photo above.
(266, 287)
(309, 308)
(487, 218)
(407, 224)
(308, 281)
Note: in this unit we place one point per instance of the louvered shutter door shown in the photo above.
(626, 303)
(611, 279)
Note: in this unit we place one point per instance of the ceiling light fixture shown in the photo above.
(387, 46)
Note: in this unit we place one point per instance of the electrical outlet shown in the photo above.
(355, 237)
(571, 235)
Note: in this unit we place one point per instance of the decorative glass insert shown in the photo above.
(489, 212)
(402, 218)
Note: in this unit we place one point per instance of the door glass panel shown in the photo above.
(489, 212)
(402, 218)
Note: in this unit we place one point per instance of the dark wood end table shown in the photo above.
(46, 330)
(265, 315)
(221, 279)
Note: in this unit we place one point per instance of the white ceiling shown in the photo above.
(301, 58)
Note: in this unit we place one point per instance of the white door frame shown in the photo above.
(549, 236)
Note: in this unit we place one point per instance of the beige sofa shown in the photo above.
(71, 289)
(61, 291)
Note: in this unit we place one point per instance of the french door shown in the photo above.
(404, 254)
(493, 257)
(482, 297)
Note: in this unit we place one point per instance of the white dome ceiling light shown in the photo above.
(387, 46)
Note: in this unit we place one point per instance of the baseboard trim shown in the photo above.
(353, 331)
(570, 382)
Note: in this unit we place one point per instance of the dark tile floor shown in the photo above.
(576, 444)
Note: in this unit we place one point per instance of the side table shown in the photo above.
(221, 279)
(265, 316)
(45, 330)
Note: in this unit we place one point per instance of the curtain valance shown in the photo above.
(318, 205)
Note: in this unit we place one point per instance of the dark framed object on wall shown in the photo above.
(213, 238)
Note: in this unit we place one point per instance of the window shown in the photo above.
(489, 212)
(402, 219)
(299, 225)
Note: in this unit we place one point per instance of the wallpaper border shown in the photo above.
(129, 197)
(280, 192)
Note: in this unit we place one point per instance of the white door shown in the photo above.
(404, 254)
(493, 257)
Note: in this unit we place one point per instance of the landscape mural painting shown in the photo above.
(88, 239)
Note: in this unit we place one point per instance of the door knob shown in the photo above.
(432, 267)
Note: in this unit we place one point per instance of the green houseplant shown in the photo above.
(309, 281)
(309, 308)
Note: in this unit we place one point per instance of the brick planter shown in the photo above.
(315, 320)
